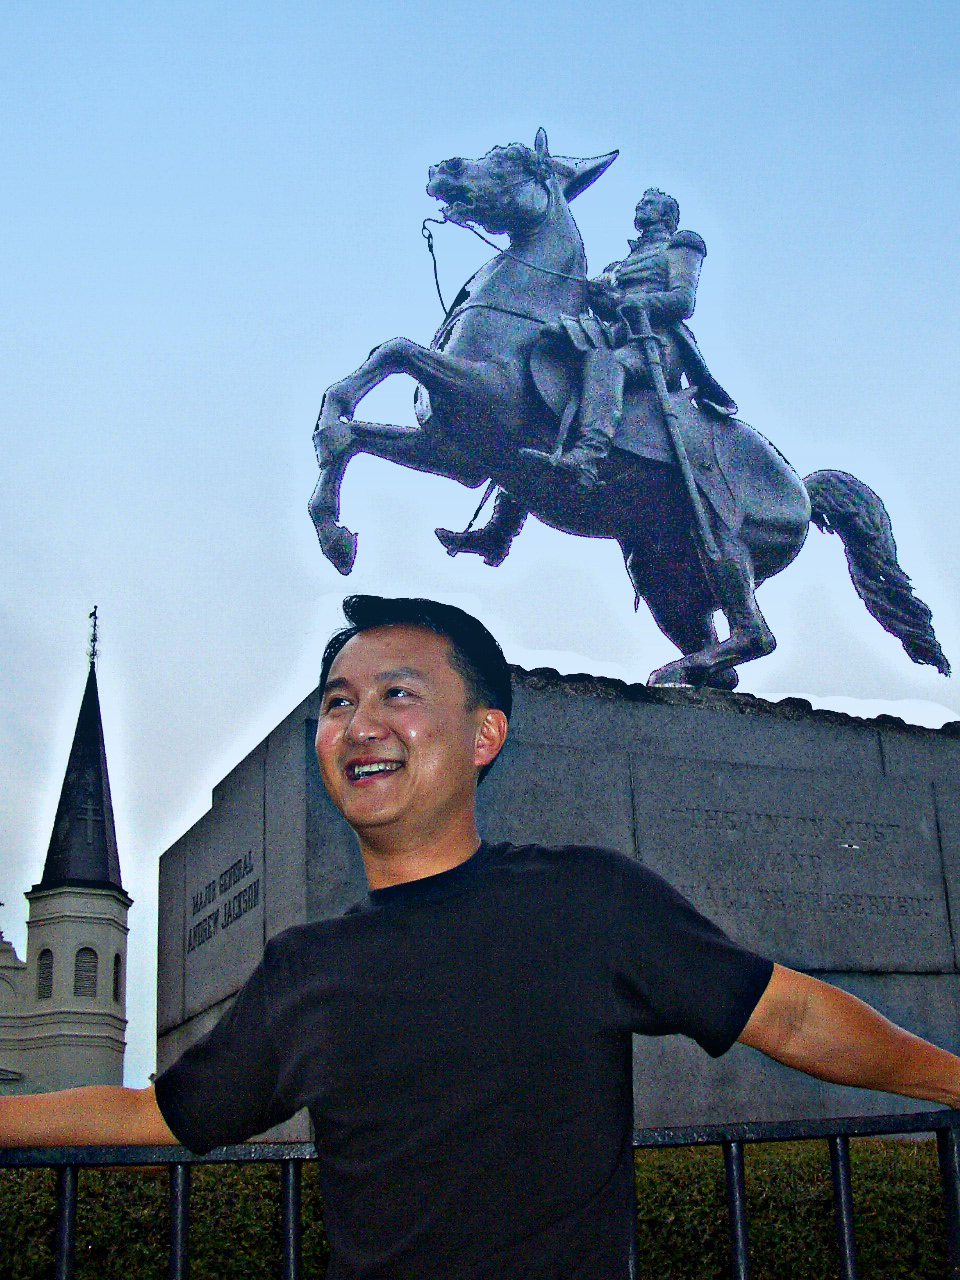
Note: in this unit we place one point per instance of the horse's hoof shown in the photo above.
(726, 680)
(339, 545)
(672, 676)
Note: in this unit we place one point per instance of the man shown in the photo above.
(462, 1036)
(659, 275)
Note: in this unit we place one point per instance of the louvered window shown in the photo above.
(85, 972)
(45, 974)
(116, 979)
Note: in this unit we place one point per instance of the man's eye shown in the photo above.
(397, 691)
(335, 703)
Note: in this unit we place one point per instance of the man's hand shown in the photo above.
(604, 287)
(94, 1116)
(832, 1035)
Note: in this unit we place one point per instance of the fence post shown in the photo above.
(948, 1152)
(736, 1209)
(66, 1221)
(290, 1226)
(179, 1221)
(843, 1205)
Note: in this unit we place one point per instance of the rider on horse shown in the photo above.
(659, 275)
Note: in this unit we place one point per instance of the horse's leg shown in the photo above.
(440, 373)
(337, 440)
(408, 447)
(681, 604)
(731, 580)
(337, 543)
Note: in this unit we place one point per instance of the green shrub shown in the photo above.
(898, 1212)
(122, 1219)
(123, 1223)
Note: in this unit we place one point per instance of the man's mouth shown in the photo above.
(367, 769)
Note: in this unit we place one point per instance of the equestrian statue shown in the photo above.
(588, 403)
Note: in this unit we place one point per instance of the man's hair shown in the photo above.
(474, 653)
(669, 209)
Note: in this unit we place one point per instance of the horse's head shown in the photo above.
(511, 188)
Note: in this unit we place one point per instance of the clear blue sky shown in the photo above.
(212, 210)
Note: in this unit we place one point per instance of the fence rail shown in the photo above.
(68, 1161)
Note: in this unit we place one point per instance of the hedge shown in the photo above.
(681, 1217)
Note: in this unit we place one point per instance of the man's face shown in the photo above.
(397, 744)
(648, 213)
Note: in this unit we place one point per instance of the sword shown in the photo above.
(643, 334)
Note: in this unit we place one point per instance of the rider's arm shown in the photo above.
(676, 302)
(96, 1115)
(832, 1035)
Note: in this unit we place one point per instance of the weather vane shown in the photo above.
(93, 634)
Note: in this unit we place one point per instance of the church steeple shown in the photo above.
(83, 846)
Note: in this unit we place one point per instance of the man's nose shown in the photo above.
(366, 723)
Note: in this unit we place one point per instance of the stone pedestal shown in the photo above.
(829, 843)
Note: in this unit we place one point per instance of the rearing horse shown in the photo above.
(483, 397)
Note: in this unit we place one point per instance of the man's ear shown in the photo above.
(491, 735)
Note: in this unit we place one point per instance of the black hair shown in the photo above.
(474, 653)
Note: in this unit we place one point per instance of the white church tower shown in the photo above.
(66, 1022)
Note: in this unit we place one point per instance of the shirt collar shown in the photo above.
(428, 888)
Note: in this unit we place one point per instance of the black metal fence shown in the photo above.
(731, 1138)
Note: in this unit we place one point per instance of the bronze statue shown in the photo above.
(702, 505)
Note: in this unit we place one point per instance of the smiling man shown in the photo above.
(401, 738)
(462, 1036)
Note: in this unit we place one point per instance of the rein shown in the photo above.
(503, 253)
(449, 320)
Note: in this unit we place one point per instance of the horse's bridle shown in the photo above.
(504, 253)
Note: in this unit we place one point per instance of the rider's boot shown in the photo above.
(494, 539)
(601, 408)
(584, 460)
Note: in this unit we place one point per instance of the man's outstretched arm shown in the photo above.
(832, 1035)
(95, 1116)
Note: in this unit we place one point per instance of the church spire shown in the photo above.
(83, 846)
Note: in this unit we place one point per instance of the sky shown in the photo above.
(212, 211)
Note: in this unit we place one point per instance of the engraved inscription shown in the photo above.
(846, 833)
(808, 901)
(836, 836)
(822, 869)
(231, 906)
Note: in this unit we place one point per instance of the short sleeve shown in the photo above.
(679, 973)
(224, 1088)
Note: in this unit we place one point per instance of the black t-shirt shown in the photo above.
(463, 1043)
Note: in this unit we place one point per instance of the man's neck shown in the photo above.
(650, 236)
(388, 860)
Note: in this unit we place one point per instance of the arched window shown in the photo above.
(85, 972)
(116, 978)
(45, 974)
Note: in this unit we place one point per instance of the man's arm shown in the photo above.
(96, 1116)
(832, 1035)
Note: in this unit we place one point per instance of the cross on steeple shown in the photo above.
(93, 635)
(90, 813)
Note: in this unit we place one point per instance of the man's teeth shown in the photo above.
(379, 766)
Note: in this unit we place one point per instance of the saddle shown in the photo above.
(709, 437)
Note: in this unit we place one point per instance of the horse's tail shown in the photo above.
(845, 505)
